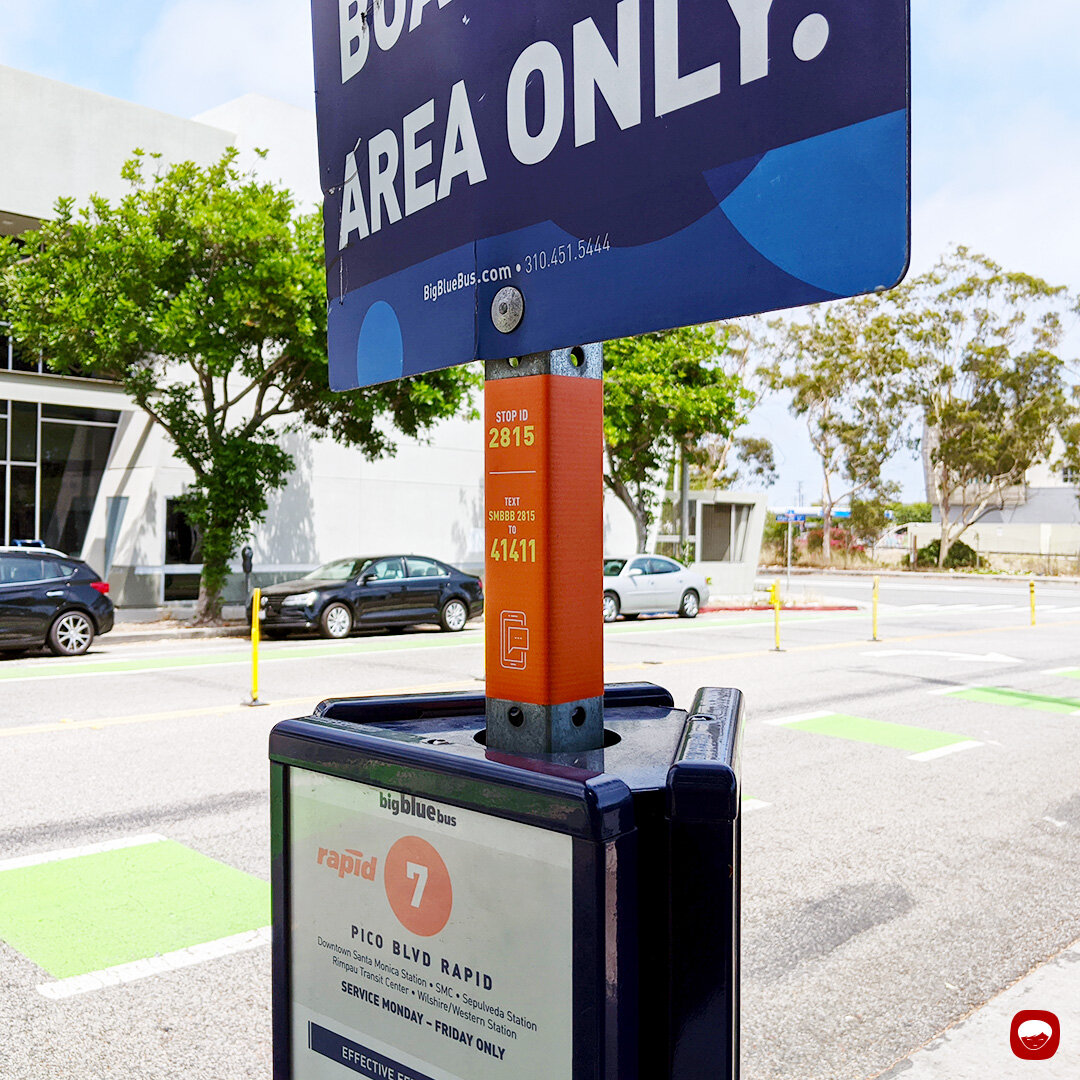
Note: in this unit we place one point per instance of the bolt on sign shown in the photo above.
(624, 166)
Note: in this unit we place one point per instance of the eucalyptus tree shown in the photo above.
(846, 370)
(986, 373)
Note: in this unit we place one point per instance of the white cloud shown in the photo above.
(204, 52)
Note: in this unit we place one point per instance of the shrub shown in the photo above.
(959, 555)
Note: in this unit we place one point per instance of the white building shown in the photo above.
(83, 469)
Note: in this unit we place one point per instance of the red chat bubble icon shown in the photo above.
(1035, 1034)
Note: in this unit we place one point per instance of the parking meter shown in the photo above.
(245, 562)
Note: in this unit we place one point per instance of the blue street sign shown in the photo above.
(790, 517)
(624, 166)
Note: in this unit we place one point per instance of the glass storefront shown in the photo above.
(52, 459)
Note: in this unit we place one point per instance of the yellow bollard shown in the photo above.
(256, 603)
(876, 580)
(1031, 590)
(774, 596)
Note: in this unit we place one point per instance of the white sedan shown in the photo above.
(648, 583)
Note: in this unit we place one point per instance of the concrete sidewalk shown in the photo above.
(157, 624)
(977, 1048)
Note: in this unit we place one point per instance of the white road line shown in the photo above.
(780, 720)
(154, 965)
(942, 751)
(76, 852)
(1058, 670)
(165, 669)
(941, 691)
(753, 804)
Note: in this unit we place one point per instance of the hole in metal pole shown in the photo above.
(513, 361)
(577, 357)
(515, 716)
(577, 717)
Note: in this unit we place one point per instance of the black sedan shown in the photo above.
(392, 591)
(49, 598)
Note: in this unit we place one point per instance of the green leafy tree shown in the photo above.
(750, 460)
(202, 293)
(871, 518)
(868, 520)
(663, 394)
(845, 371)
(989, 381)
(905, 513)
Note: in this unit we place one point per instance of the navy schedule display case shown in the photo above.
(442, 911)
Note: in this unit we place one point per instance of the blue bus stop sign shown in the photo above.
(613, 167)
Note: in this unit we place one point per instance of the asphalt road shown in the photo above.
(912, 811)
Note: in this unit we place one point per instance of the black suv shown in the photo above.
(48, 598)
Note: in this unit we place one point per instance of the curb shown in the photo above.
(766, 572)
(185, 633)
(784, 607)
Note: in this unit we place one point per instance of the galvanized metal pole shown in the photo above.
(684, 505)
(543, 514)
(789, 559)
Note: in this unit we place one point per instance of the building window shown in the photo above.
(15, 357)
(52, 460)
(1070, 475)
(724, 528)
(183, 553)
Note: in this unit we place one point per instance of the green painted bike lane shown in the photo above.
(269, 654)
(919, 743)
(1018, 699)
(95, 911)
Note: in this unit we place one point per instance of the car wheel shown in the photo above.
(611, 607)
(453, 616)
(335, 621)
(688, 605)
(71, 634)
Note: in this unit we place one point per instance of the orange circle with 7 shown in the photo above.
(418, 886)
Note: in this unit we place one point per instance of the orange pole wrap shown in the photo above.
(543, 514)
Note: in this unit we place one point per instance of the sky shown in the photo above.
(995, 121)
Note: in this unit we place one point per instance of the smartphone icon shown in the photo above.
(513, 639)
